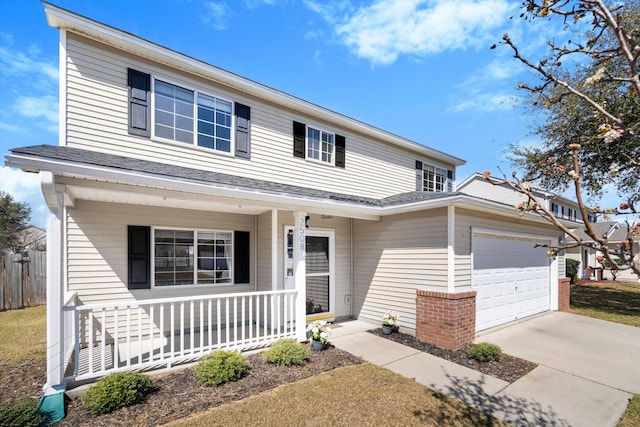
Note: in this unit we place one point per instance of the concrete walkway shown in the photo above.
(588, 369)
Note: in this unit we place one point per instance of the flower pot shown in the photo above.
(317, 345)
(387, 329)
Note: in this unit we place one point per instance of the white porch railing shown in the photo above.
(149, 334)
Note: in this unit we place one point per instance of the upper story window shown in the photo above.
(320, 145)
(434, 178)
(310, 142)
(187, 116)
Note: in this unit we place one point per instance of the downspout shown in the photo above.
(351, 269)
(451, 253)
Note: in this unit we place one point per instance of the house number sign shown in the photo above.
(301, 230)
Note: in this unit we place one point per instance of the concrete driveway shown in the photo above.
(589, 369)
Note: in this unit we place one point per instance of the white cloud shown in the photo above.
(216, 15)
(382, 31)
(45, 107)
(25, 188)
(19, 64)
(486, 103)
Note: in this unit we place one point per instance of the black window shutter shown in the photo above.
(241, 257)
(419, 175)
(139, 102)
(243, 131)
(340, 151)
(449, 180)
(299, 130)
(139, 255)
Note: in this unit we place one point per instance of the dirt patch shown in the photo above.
(508, 368)
(22, 380)
(177, 395)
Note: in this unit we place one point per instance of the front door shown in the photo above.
(319, 270)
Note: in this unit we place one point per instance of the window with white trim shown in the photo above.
(434, 178)
(188, 116)
(192, 257)
(320, 145)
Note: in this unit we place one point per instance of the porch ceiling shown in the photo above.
(168, 199)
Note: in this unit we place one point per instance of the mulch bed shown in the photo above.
(508, 368)
(178, 395)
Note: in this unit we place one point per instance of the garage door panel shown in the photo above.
(511, 277)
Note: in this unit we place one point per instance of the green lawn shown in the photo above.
(359, 395)
(24, 334)
(608, 300)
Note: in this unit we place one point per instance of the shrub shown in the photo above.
(571, 269)
(286, 352)
(485, 352)
(220, 367)
(24, 413)
(116, 391)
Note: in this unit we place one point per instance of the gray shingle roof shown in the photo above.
(77, 155)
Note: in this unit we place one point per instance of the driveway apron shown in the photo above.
(589, 369)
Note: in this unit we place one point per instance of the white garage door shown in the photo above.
(511, 278)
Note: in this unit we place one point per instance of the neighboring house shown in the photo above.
(33, 238)
(590, 268)
(193, 209)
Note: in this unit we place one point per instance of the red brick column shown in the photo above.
(564, 294)
(446, 320)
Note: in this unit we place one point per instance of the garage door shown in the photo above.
(511, 278)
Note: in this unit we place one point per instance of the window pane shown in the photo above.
(205, 128)
(173, 110)
(223, 132)
(173, 257)
(183, 136)
(205, 141)
(223, 145)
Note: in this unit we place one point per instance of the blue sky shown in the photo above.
(420, 69)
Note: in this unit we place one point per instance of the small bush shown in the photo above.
(571, 269)
(24, 413)
(116, 391)
(485, 352)
(220, 367)
(286, 352)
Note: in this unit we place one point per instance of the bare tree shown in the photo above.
(592, 106)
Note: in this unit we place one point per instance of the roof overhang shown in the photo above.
(65, 20)
(116, 185)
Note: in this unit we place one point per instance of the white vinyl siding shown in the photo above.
(97, 120)
(97, 248)
(396, 256)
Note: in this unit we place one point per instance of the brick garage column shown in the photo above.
(564, 294)
(446, 320)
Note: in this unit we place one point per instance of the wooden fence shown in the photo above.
(23, 279)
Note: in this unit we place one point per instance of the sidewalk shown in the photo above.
(544, 397)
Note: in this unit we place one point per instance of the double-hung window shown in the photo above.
(192, 257)
(320, 145)
(434, 178)
(192, 117)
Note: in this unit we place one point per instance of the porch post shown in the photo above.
(54, 196)
(299, 272)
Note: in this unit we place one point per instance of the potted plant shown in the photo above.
(389, 322)
(319, 332)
